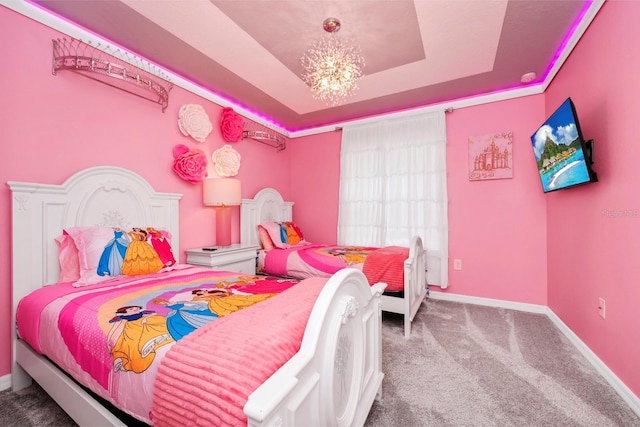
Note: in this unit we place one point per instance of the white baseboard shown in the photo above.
(519, 306)
(5, 382)
(623, 391)
(627, 395)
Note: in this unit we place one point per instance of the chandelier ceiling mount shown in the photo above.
(331, 25)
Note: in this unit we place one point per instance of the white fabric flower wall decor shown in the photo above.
(193, 121)
(226, 160)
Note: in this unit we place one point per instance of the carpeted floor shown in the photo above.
(31, 407)
(464, 365)
(470, 365)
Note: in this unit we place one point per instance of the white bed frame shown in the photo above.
(332, 380)
(268, 205)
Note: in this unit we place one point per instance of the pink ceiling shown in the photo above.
(417, 53)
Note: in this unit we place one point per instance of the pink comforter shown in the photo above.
(314, 260)
(207, 379)
(111, 337)
(387, 265)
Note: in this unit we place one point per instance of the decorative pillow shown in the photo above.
(294, 234)
(68, 258)
(284, 234)
(90, 243)
(265, 240)
(139, 258)
(160, 240)
(105, 252)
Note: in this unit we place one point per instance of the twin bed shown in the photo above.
(327, 373)
(266, 222)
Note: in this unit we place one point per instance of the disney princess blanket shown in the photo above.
(313, 260)
(112, 336)
(378, 264)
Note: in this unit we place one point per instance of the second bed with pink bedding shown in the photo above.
(378, 264)
(267, 222)
(287, 253)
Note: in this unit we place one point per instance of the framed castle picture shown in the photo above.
(491, 156)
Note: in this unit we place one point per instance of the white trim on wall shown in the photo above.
(580, 29)
(5, 382)
(66, 27)
(623, 391)
(489, 302)
(627, 395)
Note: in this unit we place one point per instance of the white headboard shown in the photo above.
(267, 205)
(103, 195)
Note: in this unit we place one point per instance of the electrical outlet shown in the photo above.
(457, 264)
(601, 307)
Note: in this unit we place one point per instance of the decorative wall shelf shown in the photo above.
(264, 135)
(142, 80)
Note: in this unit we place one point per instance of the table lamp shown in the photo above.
(222, 193)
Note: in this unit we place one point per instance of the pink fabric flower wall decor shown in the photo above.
(231, 125)
(190, 165)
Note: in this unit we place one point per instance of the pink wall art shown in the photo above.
(490, 156)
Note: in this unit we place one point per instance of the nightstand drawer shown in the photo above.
(237, 258)
(247, 267)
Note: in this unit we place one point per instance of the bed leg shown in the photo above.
(19, 378)
(407, 325)
(379, 394)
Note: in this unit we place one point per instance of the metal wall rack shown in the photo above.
(143, 80)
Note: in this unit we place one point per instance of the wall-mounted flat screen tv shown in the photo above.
(564, 158)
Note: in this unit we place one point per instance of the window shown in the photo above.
(393, 186)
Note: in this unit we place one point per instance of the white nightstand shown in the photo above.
(238, 258)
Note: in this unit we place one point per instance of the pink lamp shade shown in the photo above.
(222, 193)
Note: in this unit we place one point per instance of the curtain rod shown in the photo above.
(446, 110)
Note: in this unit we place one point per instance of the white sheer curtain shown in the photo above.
(393, 185)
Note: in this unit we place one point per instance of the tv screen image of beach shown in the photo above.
(557, 145)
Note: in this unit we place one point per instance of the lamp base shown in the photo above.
(223, 226)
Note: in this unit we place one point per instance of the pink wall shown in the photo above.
(484, 217)
(594, 230)
(53, 126)
(497, 227)
(315, 181)
(502, 230)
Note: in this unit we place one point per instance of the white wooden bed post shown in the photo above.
(335, 377)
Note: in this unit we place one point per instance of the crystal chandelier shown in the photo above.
(331, 66)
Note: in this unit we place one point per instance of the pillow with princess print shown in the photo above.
(136, 251)
(284, 234)
(104, 252)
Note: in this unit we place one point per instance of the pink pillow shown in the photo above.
(265, 240)
(68, 258)
(273, 230)
(90, 242)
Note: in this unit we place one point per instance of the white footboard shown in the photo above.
(335, 377)
(415, 286)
